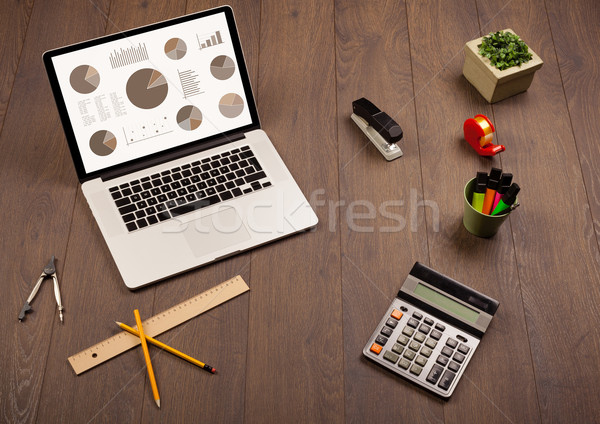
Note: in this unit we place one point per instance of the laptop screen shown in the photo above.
(143, 92)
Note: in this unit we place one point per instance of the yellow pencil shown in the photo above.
(168, 348)
(138, 321)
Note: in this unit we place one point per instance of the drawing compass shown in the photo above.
(48, 271)
(379, 127)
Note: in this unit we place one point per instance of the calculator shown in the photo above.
(430, 332)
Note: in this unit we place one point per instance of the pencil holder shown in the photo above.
(476, 222)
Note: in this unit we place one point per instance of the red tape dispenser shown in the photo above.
(479, 134)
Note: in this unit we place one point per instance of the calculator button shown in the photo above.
(464, 349)
(426, 352)
(446, 380)
(414, 346)
(436, 334)
(408, 331)
(397, 348)
(391, 322)
(421, 360)
(387, 331)
(424, 328)
(459, 357)
(440, 327)
(396, 314)
(409, 354)
(403, 340)
(451, 342)
(428, 321)
(434, 374)
(416, 370)
(453, 366)
(417, 315)
(420, 337)
(375, 348)
(442, 360)
(413, 323)
(404, 363)
(380, 340)
(446, 351)
(430, 343)
(390, 356)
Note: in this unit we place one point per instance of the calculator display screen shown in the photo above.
(446, 303)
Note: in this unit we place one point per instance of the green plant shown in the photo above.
(504, 50)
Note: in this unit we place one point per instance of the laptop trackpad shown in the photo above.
(215, 232)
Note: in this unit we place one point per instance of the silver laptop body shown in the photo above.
(165, 137)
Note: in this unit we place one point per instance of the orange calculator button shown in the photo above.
(375, 348)
(396, 314)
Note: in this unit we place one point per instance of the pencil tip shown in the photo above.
(158, 402)
(117, 322)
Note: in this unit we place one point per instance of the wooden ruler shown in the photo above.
(158, 324)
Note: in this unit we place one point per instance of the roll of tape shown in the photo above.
(487, 130)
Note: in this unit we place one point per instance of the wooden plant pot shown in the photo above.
(493, 84)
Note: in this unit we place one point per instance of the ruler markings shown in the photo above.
(166, 320)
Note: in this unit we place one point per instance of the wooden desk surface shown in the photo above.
(290, 349)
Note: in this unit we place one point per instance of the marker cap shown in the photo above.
(481, 182)
(505, 182)
(494, 178)
(511, 194)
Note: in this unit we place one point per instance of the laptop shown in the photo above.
(165, 137)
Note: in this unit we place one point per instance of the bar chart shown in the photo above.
(124, 57)
(209, 40)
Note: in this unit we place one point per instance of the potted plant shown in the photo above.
(500, 65)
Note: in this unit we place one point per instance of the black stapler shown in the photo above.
(379, 127)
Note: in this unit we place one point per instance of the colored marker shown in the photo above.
(479, 192)
(507, 200)
(490, 191)
(505, 182)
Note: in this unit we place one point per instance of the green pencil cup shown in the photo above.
(474, 221)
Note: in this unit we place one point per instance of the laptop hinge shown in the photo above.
(128, 169)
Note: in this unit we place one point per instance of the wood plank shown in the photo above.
(117, 390)
(575, 34)
(373, 60)
(37, 209)
(13, 26)
(295, 366)
(438, 32)
(542, 154)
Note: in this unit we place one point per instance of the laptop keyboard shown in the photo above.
(184, 189)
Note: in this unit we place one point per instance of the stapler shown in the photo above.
(479, 134)
(379, 127)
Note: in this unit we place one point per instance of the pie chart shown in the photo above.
(103, 143)
(84, 79)
(231, 105)
(189, 118)
(175, 48)
(147, 88)
(222, 67)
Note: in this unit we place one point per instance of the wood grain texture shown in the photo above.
(36, 213)
(98, 297)
(382, 227)
(556, 251)
(445, 99)
(575, 35)
(13, 26)
(290, 349)
(295, 321)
